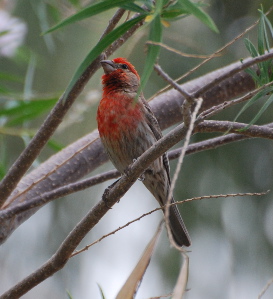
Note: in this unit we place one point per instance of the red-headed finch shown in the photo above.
(128, 128)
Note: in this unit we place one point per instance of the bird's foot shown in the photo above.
(106, 193)
(142, 177)
(127, 171)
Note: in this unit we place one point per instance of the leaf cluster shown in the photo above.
(263, 74)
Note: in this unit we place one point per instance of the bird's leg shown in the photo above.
(106, 193)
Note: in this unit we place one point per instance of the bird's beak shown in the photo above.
(108, 66)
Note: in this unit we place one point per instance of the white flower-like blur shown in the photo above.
(12, 33)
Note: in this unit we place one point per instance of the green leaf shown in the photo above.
(261, 35)
(75, 3)
(3, 170)
(253, 74)
(153, 50)
(259, 114)
(88, 12)
(101, 292)
(56, 146)
(174, 14)
(9, 77)
(193, 9)
(133, 7)
(4, 32)
(102, 45)
(25, 111)
(269, 26)
(262, 110)
(69, 295)
(251, 48)
(253, 100)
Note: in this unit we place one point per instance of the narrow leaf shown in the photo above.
(253, 100)
(193, 9)
(269, 26)
(261, 111)
(132, 283)
(56, 146)
(101, 292)
(10, 77)
(251, 48)
(182, 280)
(22, 107)
(88, 12)
(133, 7)
(102, 45)
(253, 74)
(153, 50)
(261, 35)
(25, 111)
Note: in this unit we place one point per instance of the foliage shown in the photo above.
(264, 74)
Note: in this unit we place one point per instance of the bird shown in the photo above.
(127, 128)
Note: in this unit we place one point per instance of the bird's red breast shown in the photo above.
(117, 113)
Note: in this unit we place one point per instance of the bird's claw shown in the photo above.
(142, 177)
(106, 193)
(128, 170)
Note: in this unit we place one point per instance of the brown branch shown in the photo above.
(175, 85)
(224, 126)
(87, 153)
(55, 117)
(112, 174)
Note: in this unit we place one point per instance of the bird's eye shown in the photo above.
(124, 66)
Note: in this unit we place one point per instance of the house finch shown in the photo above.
(128, 128)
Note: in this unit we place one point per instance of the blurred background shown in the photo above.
(232, 239)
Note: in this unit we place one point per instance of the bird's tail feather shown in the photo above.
(178, 228)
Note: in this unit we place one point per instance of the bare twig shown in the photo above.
(178, 168)
(176, 86)
(179, 52)
(57, 193)
(229, 74)
(270, 282)
(160, 208)
(216, 109)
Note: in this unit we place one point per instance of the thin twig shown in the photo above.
(179, 52)
(270, 282)
(57, 193)
(161, 208)
(216, 109)
(232, 72)
(178, 168)
(176, 86)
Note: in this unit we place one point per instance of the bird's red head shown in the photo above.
(119, 74)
